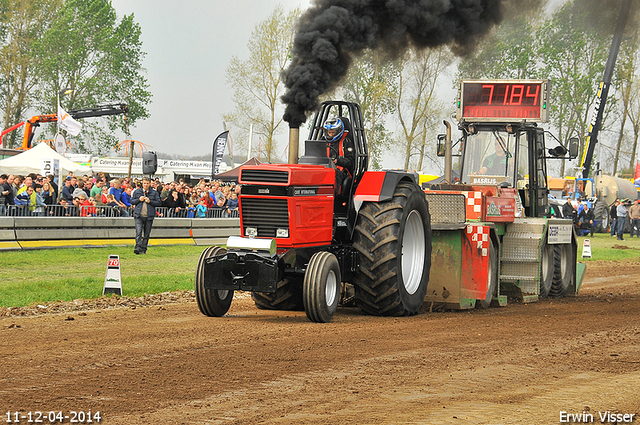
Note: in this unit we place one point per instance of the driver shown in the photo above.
(340, 148)
(495, 164)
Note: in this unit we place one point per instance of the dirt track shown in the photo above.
(521, 364)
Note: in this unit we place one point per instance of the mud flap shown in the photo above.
(580, 269)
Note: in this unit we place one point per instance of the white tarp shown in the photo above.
(31, 162)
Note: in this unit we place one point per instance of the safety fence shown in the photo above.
(108, 211)
(21, 232)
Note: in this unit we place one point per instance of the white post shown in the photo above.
(250, 138)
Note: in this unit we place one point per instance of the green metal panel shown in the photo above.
(446, 271)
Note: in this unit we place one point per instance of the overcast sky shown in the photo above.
(189, 45)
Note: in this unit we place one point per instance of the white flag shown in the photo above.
(66, 122)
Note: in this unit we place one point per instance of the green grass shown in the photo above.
(28, 277)
(602, 248)
(38, 276)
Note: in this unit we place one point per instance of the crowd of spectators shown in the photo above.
(35, 195)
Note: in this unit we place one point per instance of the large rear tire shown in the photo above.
(211, 302)
(394, 242)
(546, 269)
(601, 215)
(321, 288)
(288, 296)
(562, 270)
(492, 278)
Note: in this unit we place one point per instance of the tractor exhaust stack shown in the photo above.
(294, 142)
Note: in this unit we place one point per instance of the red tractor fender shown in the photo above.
(379, 186)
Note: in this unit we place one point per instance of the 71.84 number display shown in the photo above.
(503, 100)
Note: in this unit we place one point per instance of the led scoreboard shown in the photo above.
(503, 100)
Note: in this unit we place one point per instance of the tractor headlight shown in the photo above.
(251, 232)
(282, 233)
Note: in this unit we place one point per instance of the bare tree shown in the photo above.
(257, 81)
(372, 83)
(417, 105)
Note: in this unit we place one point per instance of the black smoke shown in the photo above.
(333, 32)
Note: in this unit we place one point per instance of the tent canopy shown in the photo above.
(233, 174)
(30, 161)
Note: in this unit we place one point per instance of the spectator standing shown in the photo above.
(87, 206)
(586, 219)
(232, 205)
(634, 213)
(15, 185)
(116, 191)
(40, 204)
(88, 186)
(53, 185)
(28, 183)
(5, 191)
(23, 200)
(201, 208)
(166, 191)
(126, 197)
(145, 201)
(96, 190)
(622, 213)
(9, 184)
(567, 209)
(613, 213)
(174, 204)
(209, 200)
(67, 191)
(48, 194)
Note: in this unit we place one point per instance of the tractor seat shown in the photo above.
(315, 153)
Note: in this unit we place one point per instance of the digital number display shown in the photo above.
(513, 100)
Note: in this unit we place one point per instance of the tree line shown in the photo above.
(569, 47)
(77, 47)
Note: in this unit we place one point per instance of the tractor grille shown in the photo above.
(265, 214)
(266, 176)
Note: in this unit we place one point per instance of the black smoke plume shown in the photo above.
(332, 32)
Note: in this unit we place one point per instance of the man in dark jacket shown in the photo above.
(145, 199)
(613, 213)
(586, 219)
(568, 211)
(5, 192)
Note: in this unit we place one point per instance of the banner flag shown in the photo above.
(66, 122)
(636, 177)
(218, 151)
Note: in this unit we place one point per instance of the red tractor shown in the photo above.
(306, 236)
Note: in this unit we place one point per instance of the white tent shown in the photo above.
(31, 162)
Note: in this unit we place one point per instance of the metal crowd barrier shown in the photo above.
(107, 211)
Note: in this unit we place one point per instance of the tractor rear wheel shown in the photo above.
(546, 269)
(211, 302)
(288, 296)
(492, 278)
(321, 288)
(562, 270)
(601, 214)
(394, 242)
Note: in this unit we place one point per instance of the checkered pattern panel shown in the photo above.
(479, 234)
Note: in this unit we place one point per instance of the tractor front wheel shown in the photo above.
(288, 296)
(562, 270)
(321, 288)
(393, 239)
(211, 302)
(546, 269)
